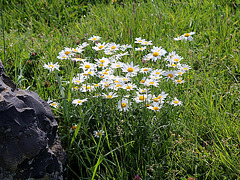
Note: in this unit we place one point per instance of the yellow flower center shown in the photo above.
(101, 77)
(173, 65)
(117, 65)
(118, 85)
(100, 47)
(101, 65)
(180, 73)
(109, 96)
(187, 35)
(143, 91)
(130, 69)
(89, 87)
(75, 87)
(102, 61)
(94, 39)
(142, 81)
(96, 85)
(51, 66)
(146, 42)
(156, 100)
(79, 101)
(145, 69)
(116, 81)
(107, 85)
(123, 104)
(158, 73)
(105, 73)
(171, 56)
(140, 48)
(159, 97)
(73, 127)
(64, 57)
(141, 98)
(99, 133)
(147, 105)
(113, 47)
(176, 102)
(176, 60)
(179, 80)
(129, 87)
(185, 68)
(139, 40)
(67, 52)
(151, 82)
(87, 66)
(170, 75)
(155, 108)
(155, 54)
(124, 79)
(53, 104)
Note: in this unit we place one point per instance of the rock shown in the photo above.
(29, 142)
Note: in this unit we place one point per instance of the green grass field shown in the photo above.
(155, 138)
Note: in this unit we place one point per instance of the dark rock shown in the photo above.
(29, 143)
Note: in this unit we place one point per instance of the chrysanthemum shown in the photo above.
(123, 105)
(51, 67)
(98, 133)
(176, 102)
(170, 74)
(175, 59)
(78, 101)
(141, 98)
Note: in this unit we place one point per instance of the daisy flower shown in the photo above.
(88, 88)
(187, 36)
(157, 53)
(78, 80)
(102, 62)
(145, 70)
(130, 69)
(162, 96)
(124, 47)
(175, 59)
(52, 103)
(143, 91)
(51, 67)
(170, 74)
(151, 82)
(143, 80)
(113, 46)
(66, 52)
(99, 46)
(94, 38)
(74, 126)
(123, 105)
(179, 81)
(78, 101)
(141, 98)
(176, 102)
(146, 43)
(116, 65)
(155, 106)
(139, 40)
(184, 67)
(157, 72)
(110, 95)
(87, 66)
(140, 49)
(129, 86)
(98, 133)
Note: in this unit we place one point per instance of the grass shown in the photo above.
(199, 139)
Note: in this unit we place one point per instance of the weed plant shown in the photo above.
(197, 139)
